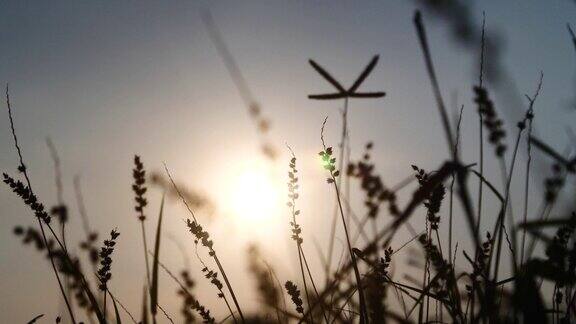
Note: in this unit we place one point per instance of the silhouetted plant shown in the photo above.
(91, 236)
(254, 108)
(434, 200)
(292, 197)
(539, 288)
(329, 165)
(374, 190)
(195, 198)
(139, 188)
(187, 300)
(342, 93)
(376, 288)
(105, 270)
(201, 235)
(496, 131)
(447, 285)
(30, 235)
(294, 293)
(556, 251)
(28, 197)
(553, 183)
(266, 289)
(89, 246)
(213, 277)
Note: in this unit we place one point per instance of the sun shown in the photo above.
(255, 196)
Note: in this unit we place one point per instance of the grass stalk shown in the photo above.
(530, 118)
(340, 167)
(145, 246)
(22, 168)
(212, 251)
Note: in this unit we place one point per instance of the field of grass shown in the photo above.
(518, 264)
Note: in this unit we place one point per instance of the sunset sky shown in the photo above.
(109, 79)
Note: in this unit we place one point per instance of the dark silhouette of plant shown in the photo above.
(203, 236)
(266, 288)
(263, 124)
(37, 317)
(329, 165)
(376, 287)
(32, 236)
(189, 300)
(28, 197)
(539, 286)
(493, 124)
(195, 198)
(293, 195)
(60, 211)
(433, 201)
(139, 188)
(374, 190)
(91, 237)
(105, 270)
(295, 295)
(342, 93)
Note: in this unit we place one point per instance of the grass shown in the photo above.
(460, 281)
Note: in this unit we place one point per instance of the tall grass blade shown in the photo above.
(154, 288)
(116, 312)
(35, 319)
(144, 316)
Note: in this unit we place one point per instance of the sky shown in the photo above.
(107, 80)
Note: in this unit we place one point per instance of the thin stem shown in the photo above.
(341, 164)
(68, 305)
(305, 285)
(297, 239)
(59, 190)
(500, 221)
(433, 79)
(529, 117)
(212, 251)
(463, 190)
(222, 295)
(84, 217)
(184, 288)
(22, 167)
(143, 230)
(451, 210)
(481, 138)
(424, 281)
(104, 307)
(313, 284)
(122, 306)
(526, 187)
(221, 269)
(352, 257)
(507, 208)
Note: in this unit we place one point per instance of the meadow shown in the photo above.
(517, 263)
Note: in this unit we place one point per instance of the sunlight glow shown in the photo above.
(255, 196)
